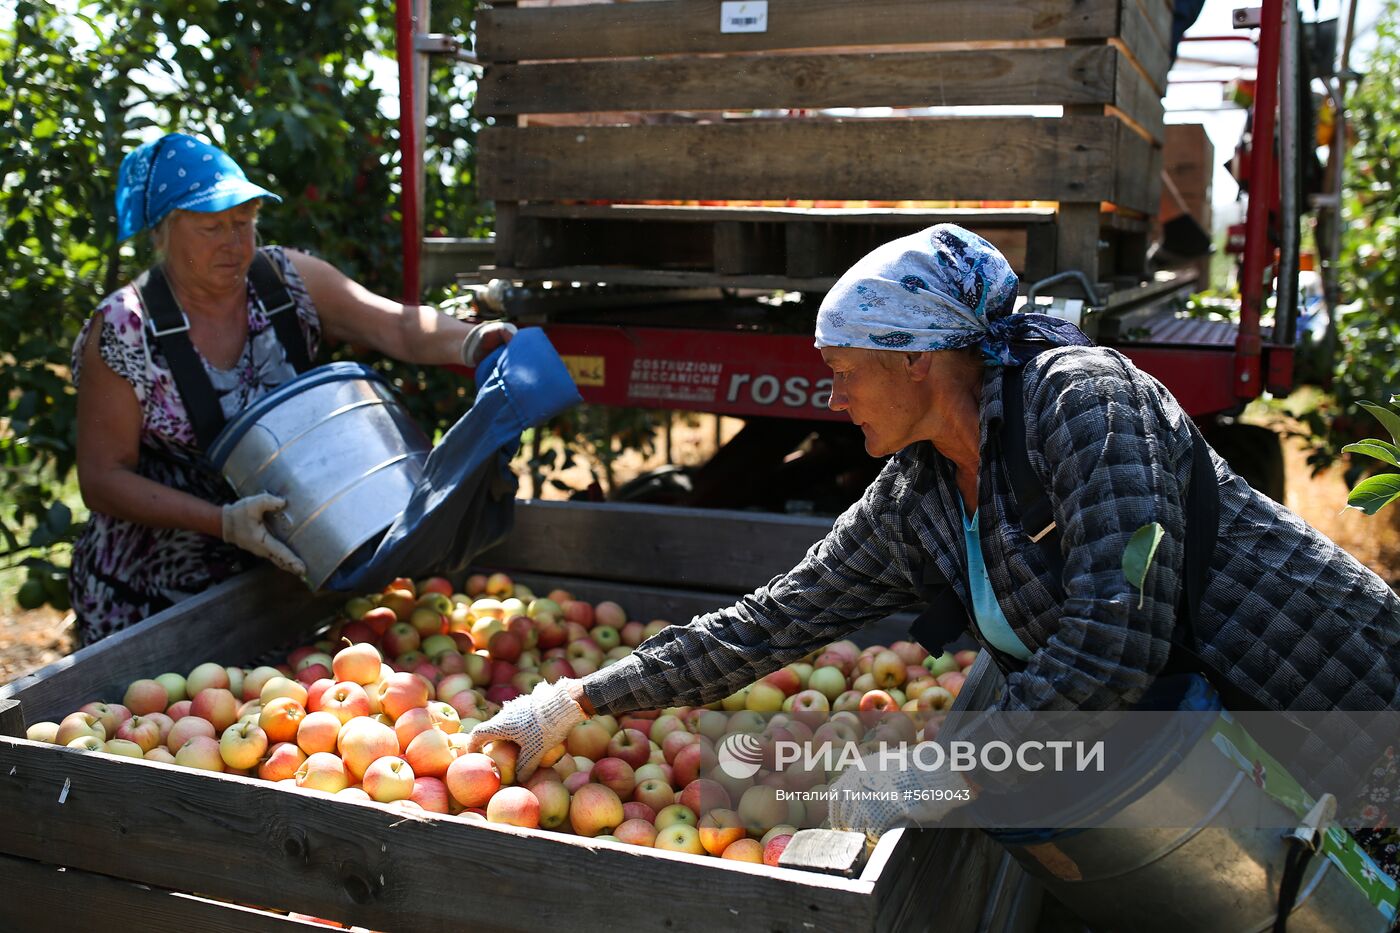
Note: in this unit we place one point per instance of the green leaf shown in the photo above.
(1388, 419)
(1378, 449)
(1375, 493)
(1137, 558)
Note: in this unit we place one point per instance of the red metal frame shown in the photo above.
(1263, 188)
(409, 155)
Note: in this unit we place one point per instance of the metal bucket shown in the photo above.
(337, 445)
(1206, 878)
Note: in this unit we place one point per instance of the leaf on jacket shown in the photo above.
(1137, 557)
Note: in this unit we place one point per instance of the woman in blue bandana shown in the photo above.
(919, 336)
(163, 526)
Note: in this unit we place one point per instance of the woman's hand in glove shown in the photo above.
(878, 796)
(536, 722)
(243, 526)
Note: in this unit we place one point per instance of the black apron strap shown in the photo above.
(945, 619)
(277, 303)
(170, 329)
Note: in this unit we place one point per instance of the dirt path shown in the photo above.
(29, 640)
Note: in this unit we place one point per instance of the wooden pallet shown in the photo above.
(692, 107)
(92, 840)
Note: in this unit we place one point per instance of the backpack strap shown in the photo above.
(170, 328)
(1202, 527)
(271, 292)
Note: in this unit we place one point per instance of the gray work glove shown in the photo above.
(536, 722)
(484, 338)
(243, 526)
(873, 800)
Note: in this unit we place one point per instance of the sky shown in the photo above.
(1200, 103)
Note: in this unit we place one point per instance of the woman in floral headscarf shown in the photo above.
(164, 525)
(919, 335)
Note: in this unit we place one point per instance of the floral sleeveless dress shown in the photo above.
(123, 572)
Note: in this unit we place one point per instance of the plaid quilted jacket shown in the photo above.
(1288, 617)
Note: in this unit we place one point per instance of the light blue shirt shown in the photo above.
(991, 621)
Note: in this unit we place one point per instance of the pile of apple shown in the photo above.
(380, 710)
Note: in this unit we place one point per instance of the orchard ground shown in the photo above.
(30, 640)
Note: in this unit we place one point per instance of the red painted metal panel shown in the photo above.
(729, 372)
(782, 375)
(1202, 379)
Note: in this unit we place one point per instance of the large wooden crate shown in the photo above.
(661, 105)
(91, 841)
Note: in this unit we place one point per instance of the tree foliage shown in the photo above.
(289, 89)
(1368, 364)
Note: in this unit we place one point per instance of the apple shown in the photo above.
(205, 676)
(363, 740)
(888, 669)
(617, 774)
(745, 850)
(281, 718)
(174, 685)
(430, 753)
(282, 762)
(609, 613)
(828, 681)
(163, 721)
(430, 794)
(402, 601)
(380, 619)
(400, 639)
(679, 837)
(747, 721)
(636, 832)
(217, 705)
(280, 686)
(773, 849)
(553, 799)
(122, 747)
(952, 681)
(346, 701)
(653, 627)
(388, 779)
(595, 809)
(87, 743)
(318, 732)
(146, 696)
(665, 725)
(760, 809)
(185, 729)
(719, 829)
(703, 795)
(847, 702)
(675, 813)
(315, 691)
(400, 692)
(514, 806)
(631, 746)
(242, 745)
(499, 585)
(111, 715)
(589, 739)
(655, 793)
(43, 732)
(472, 779)
(636, 810)
(160, 753)
(764, 697)
(505, 755)
(255, 680)
(324, 772)
(357, 664)
(632, 634)
(965, 658)
(693, 760)
(202, 753)
(785, 679)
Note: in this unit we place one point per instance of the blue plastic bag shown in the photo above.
(465, 502)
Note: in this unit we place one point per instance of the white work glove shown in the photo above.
(483, 338)
(872, 800)
(243, 526)
(536, 722)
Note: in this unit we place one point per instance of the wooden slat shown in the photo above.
(1083, 75)
(701, 549)
(230, 623)
(1139, 171)
(663, 278)
(991, 158)
(1138, 99)
(945, 873)
(11, 718)
(57, 900)
(967, 217)
(1140, 39)
(225, 836)
(680, 26)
